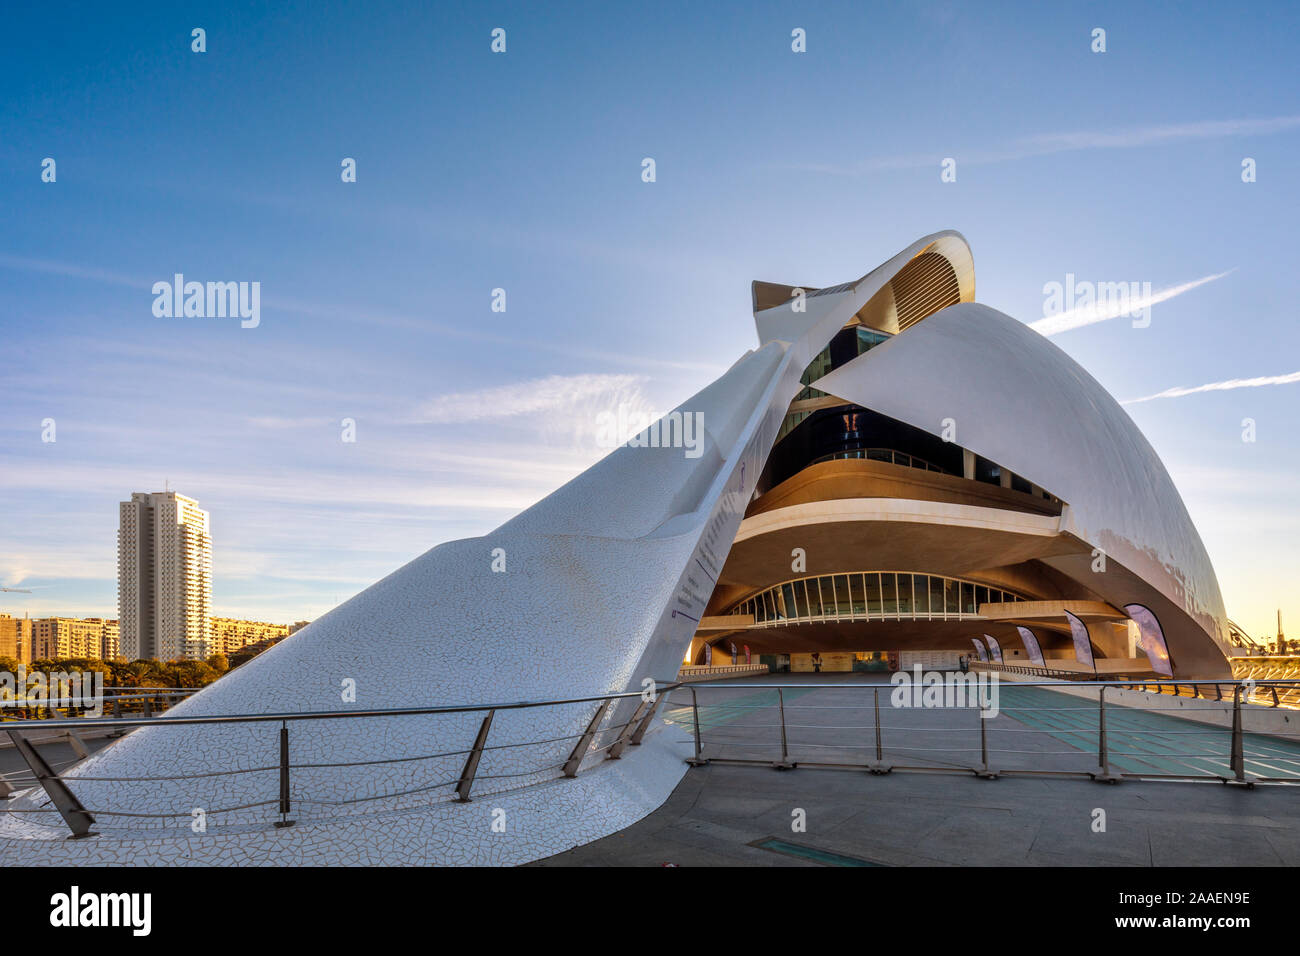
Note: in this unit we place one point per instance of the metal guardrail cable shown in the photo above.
(180, 776)
(524, 773)
(187, 814)
(371, 763)
(315, 801)
(533, 743)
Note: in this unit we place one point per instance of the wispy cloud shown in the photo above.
(533, 397)
(1114, 307)
(1220, 387)
(1047, 144)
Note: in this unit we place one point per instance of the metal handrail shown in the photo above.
(79, 819)
(322, 714)
(1236, 759)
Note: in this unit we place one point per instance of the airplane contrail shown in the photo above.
(1220, 387)
(1114, 308)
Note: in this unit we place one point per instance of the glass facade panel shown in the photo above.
(787, 597)
(889, 592)
(920, 594)
(814, 598)
(857, 594)
(843, 601)
(873, 594)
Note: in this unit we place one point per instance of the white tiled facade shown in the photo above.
(164, 577)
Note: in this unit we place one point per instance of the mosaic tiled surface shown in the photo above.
(530, 824)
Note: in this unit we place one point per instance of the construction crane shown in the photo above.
(17, 590)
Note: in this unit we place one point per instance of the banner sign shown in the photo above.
(1153, 639)
(994, 648)
(1082, 645)
(979, 649)
(1032, 647)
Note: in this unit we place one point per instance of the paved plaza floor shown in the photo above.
(729, 814)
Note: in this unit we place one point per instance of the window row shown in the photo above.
(871, 594)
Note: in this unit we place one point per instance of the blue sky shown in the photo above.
(522, 171)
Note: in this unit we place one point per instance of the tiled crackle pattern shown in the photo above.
(540, 821)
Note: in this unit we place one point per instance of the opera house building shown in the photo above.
(892, 470)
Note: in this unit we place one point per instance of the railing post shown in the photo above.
(1103, 774)
(1238, 759)
(1273, 688)
(284, 820)
(76, 816)
(984, 771)
(117, 707)
(471, 764)
(77, 745)
(697, 760)
(784, 763)
(575, 759)
(148, 706)
(645, 722)
(616, 751)
(879, 766)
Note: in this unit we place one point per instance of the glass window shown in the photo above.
(889, 592)
(814, 598)
(951, 596)
(981, 595)
(873, 594)
(800, 599)
(760, 615)
(967, 598)
(936, 595)
(857, 594)
(768, 607)
(787, 600)
(921, 594)
(843, 603)
(906, 597)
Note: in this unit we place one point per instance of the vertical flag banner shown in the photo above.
(979, 648)
(1153, 639)
(1082, 645)
(994, 648)
(1032, 647)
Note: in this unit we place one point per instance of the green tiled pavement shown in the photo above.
(1145, 741)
